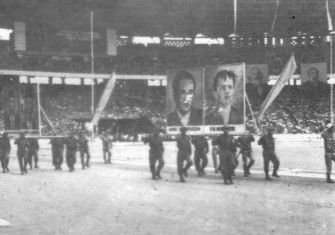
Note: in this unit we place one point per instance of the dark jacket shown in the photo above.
(57, 143)
(33, 144)
(268, 143)
(71, 144)
(184, 144)
(200, 144)
(225, 142)
(235, 117)
(156, 143)
(22, 145)
(244, 142)
(83, 142)
(195, 118)
(5, 144)
(329, 142)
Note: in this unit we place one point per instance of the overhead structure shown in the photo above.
(177, 17)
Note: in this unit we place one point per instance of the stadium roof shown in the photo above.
(176, 17)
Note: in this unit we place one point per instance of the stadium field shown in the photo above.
(122, 199)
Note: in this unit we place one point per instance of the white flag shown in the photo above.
(104, 99)
(285, 75)
(329, 17)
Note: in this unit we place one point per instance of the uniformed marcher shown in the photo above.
(106, 146)
(71, 144)
(184, 154)
(227, 147)
(57, 148)
(22, 148)
(33, 148)
(155, 153)
(244, 143)
(84, 151)
(268, 143)
(329, 145)
(5, 148)
(200, 154)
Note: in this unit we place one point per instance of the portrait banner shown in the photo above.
(314, 81)
(184, 100)
(29, 108)
(314, 72)
(224, 98)
(205, 99)
(257, 74)
(11, 102)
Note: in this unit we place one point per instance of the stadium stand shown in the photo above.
(290, 113)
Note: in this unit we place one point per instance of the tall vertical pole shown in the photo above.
(92, 69)
(331, 77)
(39, 110)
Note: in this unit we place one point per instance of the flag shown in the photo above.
(104, 99)
(329, 17)
(235, 15)
(285, 75)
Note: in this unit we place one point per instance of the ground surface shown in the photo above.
(122, 199)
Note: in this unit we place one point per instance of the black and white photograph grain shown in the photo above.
(167, 117)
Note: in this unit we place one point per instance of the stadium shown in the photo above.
(91, 67)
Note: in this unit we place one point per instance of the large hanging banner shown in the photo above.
(224, 98)
(11, 102)
(257, 74)
(20, 105)
(184, 100)
(204, 99)
(29, 108)
(314, 72)
(314, 81)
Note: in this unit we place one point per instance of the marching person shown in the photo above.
(244, 143)
(106, 146)
(71, 150)
(5, 148)
(83, 149)
(329, 146)
(33, 148)
(268, 143)
(22, 147)
(226, 144)
(200, 154)
(184, 153)
(155, 153)
(57, 148)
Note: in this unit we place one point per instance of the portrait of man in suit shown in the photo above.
(223, 91)
(184, 86)
(11, 110)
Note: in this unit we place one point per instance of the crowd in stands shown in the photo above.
(292, 111)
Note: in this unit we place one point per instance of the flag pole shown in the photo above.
(39, 110)
(331, 79)
(92, 68)
(330, 34)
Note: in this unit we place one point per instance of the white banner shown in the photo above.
(285, 75)
(104, 99)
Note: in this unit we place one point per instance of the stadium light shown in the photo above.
(5, 34)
